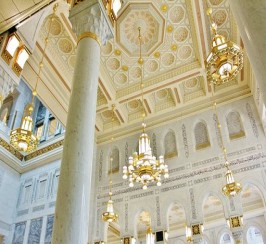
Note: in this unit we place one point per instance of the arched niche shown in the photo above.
(176, 217)
(115, 163)
(170, 149)
(254, 236)
(251, 199)
(226, 238)
(143, 222)
(201, 135)
(213, 210)
(234, 125)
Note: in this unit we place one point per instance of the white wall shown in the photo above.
(9, 189)
(194, 174)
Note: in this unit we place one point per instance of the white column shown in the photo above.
(73, 198)
(251, 21)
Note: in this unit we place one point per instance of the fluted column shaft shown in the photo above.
(251, 21)
(73, 198)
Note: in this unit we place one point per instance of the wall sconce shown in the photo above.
(188, 234)
(235, 222)
(20, 60)
(11, 47)
(195, 230)
(128, 240)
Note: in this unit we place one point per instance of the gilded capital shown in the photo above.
(89, 16)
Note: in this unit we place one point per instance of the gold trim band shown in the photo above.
(90, 35)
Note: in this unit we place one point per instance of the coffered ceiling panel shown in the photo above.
(176, 41)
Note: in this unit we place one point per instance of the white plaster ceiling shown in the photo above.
(176, 42)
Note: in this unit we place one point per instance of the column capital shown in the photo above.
(89, 19)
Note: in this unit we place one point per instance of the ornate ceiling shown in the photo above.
(176, 41)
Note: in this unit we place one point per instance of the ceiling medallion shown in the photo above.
(23, 138)
(143, 167)
(226, 58)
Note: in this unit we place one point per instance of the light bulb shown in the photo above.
(124, 176)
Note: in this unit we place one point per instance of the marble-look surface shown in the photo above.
(49, 229)
(19, 233)
(35, 231)
(251, 21)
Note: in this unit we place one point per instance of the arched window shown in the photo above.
(234, 125)
(3, 116)
(40, 121)
(201, 136)
(226, 239)
(115, 162)
(5, 109)
(254, 236)
(170, 145)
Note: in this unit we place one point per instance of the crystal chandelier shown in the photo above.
(226, 58)
(110, 215)
(143, 167)
(23, 138)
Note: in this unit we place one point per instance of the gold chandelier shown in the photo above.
(143, 167)
(23, 138)
(110, 215)
(226, 58)
(231, 187)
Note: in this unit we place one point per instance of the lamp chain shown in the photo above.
(52, 17)
(213, 24)
(219, 129)
(141, 61)
(111, 158)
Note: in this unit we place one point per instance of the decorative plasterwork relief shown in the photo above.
(60, 47)
(167, 41)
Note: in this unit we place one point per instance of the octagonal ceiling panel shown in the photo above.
(151, 22)
(169, 42)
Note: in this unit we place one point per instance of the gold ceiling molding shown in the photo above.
(44, 150)
(11, 149)
(32, 155)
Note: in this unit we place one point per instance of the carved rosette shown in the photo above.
(88, 16)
